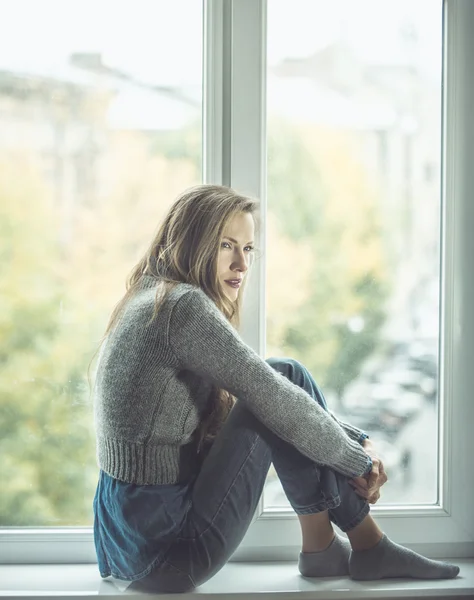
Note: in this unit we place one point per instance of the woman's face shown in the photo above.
(234, 253)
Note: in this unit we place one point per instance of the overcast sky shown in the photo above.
(160, 40)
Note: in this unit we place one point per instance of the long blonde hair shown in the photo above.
(185, 250)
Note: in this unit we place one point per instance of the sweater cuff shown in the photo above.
(363, 437)
(353, 432)
(370, 464)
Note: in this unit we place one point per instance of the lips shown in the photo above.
(234, 283)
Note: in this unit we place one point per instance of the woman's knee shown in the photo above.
(289, 367)
(297, 373)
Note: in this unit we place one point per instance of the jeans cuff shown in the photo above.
(355, 520)
(326, 504)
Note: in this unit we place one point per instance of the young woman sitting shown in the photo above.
(189, 419)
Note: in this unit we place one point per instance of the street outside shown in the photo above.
(416, 484)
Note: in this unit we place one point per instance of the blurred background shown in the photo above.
(100, 129)
(354, 130)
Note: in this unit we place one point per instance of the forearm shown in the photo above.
(204, 343)
(356, 434)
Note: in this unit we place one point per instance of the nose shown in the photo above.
(240, 263)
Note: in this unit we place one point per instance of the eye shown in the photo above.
(224, 243)
(250, 248)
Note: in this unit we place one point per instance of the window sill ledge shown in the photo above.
(249, 580)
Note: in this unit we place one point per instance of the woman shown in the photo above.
(189, 419)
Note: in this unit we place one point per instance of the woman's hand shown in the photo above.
(368, 487)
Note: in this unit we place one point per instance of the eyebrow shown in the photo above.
(235, 241)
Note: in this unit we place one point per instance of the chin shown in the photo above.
(233, 297)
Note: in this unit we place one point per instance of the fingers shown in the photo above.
(368, 487)
(360, 488)
(373, 482)
(360, 481)
(383, 478)
(371, 497)
(374, 498)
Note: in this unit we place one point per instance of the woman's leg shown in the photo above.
(375, 556)
(224, 498)
(329, 499)
(316, 530)
(324, 489)
(228, 488)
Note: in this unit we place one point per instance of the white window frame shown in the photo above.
(234, 130)
(446, 529)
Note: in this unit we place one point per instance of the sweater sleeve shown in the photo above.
(204, 342)
(352, 431)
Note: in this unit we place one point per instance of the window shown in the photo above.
(234, 109)
(98, 133)
(361, 311)
(435, 525)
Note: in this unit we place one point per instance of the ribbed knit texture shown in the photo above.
(155, 378)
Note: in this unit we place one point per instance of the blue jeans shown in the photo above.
(227, 490)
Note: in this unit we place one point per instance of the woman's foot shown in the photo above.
(332, 561)
(388, 559)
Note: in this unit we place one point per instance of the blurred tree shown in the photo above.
(180, 144)
(45, 438)
(357, 336)
(322, 203)
(138, 184)
(54, 308)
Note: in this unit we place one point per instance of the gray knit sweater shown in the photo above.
(155, 377)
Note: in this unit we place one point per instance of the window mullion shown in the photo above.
(217, 43)
(247, 123)
(248, 143)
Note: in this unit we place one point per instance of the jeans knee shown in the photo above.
(289, 367)
(297, 373)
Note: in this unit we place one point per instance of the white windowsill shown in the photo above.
(248, 580)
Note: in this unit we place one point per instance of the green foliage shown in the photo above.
(179, 144)
(359, 341)
(46, 441)
(296, 191)
(340, 289)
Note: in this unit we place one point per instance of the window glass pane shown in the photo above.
(354, 130)
(100, 128)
